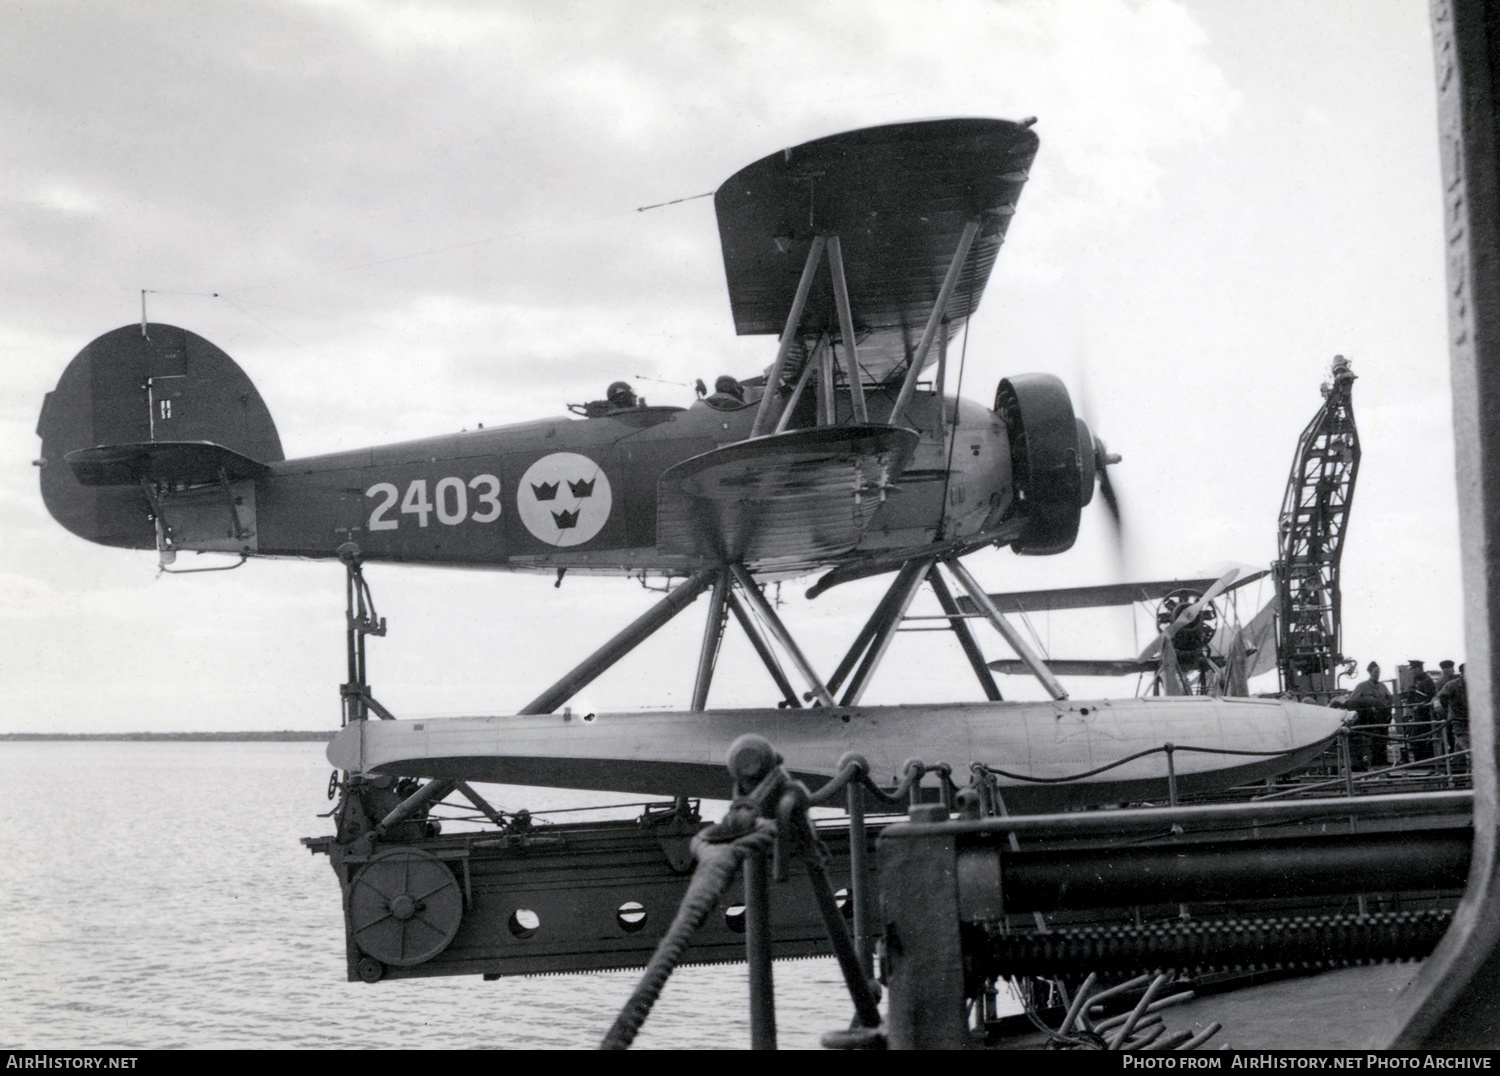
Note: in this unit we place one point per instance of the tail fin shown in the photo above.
(140, 413)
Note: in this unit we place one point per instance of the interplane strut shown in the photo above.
(846, 329)
(789, 335)
(934, 320)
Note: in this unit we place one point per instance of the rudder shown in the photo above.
(166, 386)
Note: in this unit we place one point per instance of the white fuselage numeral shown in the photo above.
(450, 501)
(415, 503)
(378, 522)
(460, 498)
(491, 499)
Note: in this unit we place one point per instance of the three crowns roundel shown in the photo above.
(564, 499)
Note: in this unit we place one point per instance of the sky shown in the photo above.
(405, 219)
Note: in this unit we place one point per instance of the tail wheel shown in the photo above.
(1045, 460)
(404, 907)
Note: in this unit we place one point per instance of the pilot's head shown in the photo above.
(729, 387)
(620, 394)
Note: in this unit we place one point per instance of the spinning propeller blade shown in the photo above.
(1100, 461)
(1103, 459)
(1188, 615)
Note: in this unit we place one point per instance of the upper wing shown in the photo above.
(1035, 601)
(898, 198)
(789, 500)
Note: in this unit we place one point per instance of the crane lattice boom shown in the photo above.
(1314, 516)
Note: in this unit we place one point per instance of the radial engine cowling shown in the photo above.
(1052, 460)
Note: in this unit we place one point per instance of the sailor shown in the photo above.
(1453, 703)
(1371, 702)
(729, 394)
(620, 395)
(1416, 722)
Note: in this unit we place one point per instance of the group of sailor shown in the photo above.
(1421, 720)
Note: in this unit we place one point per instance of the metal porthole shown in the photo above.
(631, 916)
(404, 907)
(523, 923)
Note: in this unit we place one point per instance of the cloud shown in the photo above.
(420, 216)
(267, 141)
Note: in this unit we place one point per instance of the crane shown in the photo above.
(1314, 518)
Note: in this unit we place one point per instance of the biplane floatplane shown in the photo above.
(1194, 651)
(865, 252)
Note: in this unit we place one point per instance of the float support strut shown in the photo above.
(757, 640)
(600, 660)
(965, 636)
(360, 619)
(909, 579)
(862, 640)
(713, 635)
(778, 629)
(1023, 650)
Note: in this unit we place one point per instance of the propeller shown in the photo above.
(1097, 461)
(1192, 612)
(1103, 460)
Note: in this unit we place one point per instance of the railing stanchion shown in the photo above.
(758, 952)
(859, 876)
(1447, 747)
(1346, 760)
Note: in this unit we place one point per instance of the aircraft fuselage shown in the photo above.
(180, 454)
(496, 497)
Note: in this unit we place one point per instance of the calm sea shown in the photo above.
(155, 896)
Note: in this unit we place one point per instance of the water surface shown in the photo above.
(156, 896)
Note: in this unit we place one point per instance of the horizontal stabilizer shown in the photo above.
(1041, 601)
(1080, 667)
(786, 500)
(190, 463)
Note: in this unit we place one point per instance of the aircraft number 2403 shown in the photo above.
(450, 501)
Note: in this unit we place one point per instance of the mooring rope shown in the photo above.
(718, 862)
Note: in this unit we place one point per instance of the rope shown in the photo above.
(857, 770)
(721, 848)
(852, 770)
(1120, 762)
(717, 865)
